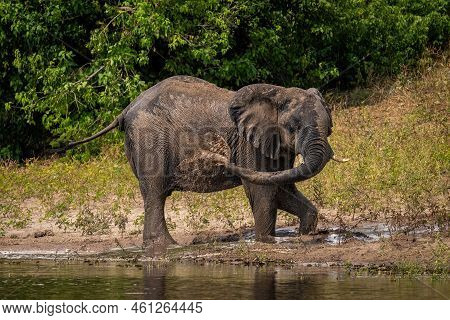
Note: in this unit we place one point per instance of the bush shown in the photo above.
(69, 67)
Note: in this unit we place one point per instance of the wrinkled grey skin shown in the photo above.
(253, 135)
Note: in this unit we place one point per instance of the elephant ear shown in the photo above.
(254, 110)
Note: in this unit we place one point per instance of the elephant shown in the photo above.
(186, 134)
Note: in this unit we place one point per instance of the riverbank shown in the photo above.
(398, 252)
(396, 134)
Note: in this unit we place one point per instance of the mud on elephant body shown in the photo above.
(187, 134)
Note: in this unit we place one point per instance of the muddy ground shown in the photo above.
(329, 247)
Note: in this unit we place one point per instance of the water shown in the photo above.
(368, 232)
(51, 280)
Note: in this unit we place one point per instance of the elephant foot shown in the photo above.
(265, 238)
(309, 223)
(157, 246)
(163, 239)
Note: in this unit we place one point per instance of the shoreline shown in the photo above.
(404, 254)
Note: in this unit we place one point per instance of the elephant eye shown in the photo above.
(292, 129)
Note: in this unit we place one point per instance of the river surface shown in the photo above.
(53, 280)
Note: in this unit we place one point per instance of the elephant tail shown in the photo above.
(118, 122)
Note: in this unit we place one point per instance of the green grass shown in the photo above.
(396, 135)
(66, 191)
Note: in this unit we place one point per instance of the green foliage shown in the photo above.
(69, 67)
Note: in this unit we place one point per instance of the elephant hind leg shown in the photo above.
(293, 201)
(156, 234)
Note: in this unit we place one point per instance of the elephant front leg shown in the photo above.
(292, 201)
(263, 204)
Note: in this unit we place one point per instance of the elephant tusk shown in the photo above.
(298, 160)
(338, 159)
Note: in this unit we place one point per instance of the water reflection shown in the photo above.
(188, 281)
(264, 285)
(154, 282)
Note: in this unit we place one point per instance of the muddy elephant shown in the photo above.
(187, 134)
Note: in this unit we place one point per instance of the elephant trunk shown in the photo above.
(315, 151)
